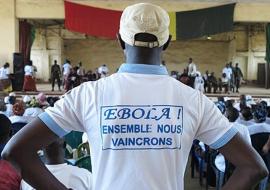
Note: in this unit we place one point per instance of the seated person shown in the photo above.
(246, 117)
(225, 82)
(18, 111)
(33, 109)
(3, 107)
(9, 178)
(232, 114)
(71, 176)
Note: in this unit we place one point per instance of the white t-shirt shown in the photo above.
(4, 72)
(28, 70)
(141, 124)
(267, 120)
(244, 122)
(228, 72)
(33, 112)
(103, 70)
(9, 111)
(18, 119)
(258, 128)
(199, 83)
(71, 176)
(67, 67)
(192, 69)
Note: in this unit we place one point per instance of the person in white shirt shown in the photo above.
(136, 119)
(191, 71)
(29, 81)
(18, 111)
(246, 117)
(80, 70)
(66, 71)
(228, 74)
(5, 83)
(199, 82)
(71, 176)
(103, 71)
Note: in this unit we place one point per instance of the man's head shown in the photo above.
(190, 60)
(227, 65)
(236, 65)
(55, 152)
(232, 114)
(5, 129)
(144, 25)
(6, 65)
(247, 113)
(55, 62)
(18, 108)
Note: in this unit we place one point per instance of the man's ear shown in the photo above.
(165, 46)
(120, 41)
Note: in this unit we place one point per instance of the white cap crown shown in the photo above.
(144, 18)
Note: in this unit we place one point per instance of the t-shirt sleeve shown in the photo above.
(214, 129)
(67, 113)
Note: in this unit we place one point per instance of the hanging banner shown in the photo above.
(101, 22)
(91, 20)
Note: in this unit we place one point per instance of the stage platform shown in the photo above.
(255, 91)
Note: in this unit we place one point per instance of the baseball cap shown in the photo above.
(144, 18)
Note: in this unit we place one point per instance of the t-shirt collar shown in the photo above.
(143, 69)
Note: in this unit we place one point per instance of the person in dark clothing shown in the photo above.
(238, 75)
(73, 79)
(55, 75)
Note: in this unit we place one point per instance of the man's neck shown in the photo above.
(143, 55)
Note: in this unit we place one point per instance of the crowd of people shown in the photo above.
(140, 122)
(252, 120)
(229, 81)
(15, 113)
(74, 76)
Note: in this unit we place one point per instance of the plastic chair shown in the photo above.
(74, 139)
(83, 149)
(197, 161)
(84, 162)
(214, 171)
(16, 127)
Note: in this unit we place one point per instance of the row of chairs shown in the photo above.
(74, 143)
(203, 163)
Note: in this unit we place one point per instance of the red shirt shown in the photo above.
(9, 177)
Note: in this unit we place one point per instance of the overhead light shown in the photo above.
(209, 38)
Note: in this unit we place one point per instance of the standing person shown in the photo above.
(191, 71)
(227, 74)
(206, 81)
(232, 81)
(238, 76)
(55, 75)
(80, 71)
(66, 71)
(5, 83)
(29, 81)
(138, 115)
